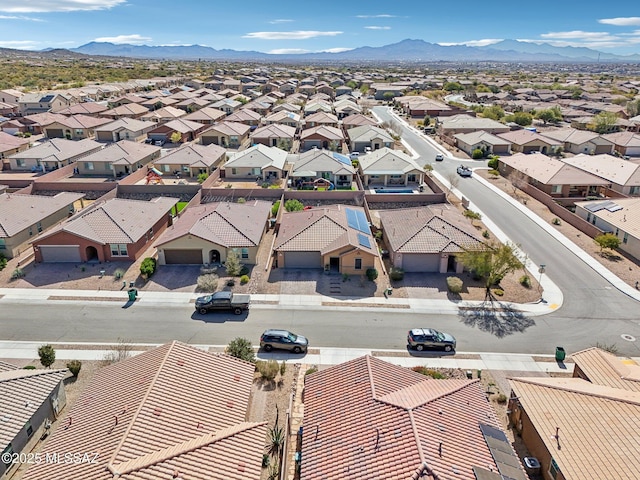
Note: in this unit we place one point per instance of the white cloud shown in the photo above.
(383, 15)
(288, 51)
(134, 39)
(473, 43)
(576, 34)
(281, 20)
(621, 21)
(294, 35)
(20, 44)
(30, 6)
(336, 50)
(374, 27)
(20, 17)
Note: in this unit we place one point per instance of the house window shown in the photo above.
(617, 231)
(255, 171)
(634, 190)
(30, 230)
(412, 177)
(118, 249)
(556, 189)
(358, 265)
(79, 132)
(166, 168)
(39, 226)
(554, 469)
(245, 253)
(21, 162)
(88, 165)
(29, 428)
(396, 176)
(589, 217)
(233, 139)
(234, 171)
(3, 245)
(625, 239)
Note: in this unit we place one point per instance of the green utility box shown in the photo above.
(133, 293)
(560, 354)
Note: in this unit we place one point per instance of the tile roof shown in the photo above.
(182, 126)
(321, 117)
(616, 170)
(550, 171)
(230, 128)
(358, 119)
(481, 136)
(131, 124)
(86, 108)
(371, 419)
(244, 115)
(467, 121)
(173, 409)
(134, 109)
(205, 114)
(18, 212)
(625, 139)
(320, 230)
(164, 112)
(59, 149)
(367, 133)
(599, 427)
(330, 133)
(116, 220)
(274, 130)
(232, 225)
(9, 142)
(524, 137)
(572, 135)
(22, 392)
(603, 368)
(317, 160)
(124, 152)
(258, 156)
(428, 229)
(193, 155)
(386, 161)
(283, 116)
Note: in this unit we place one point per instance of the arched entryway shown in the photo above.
(92, 254)
(214, 256)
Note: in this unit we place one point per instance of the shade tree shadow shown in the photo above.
(496, 318)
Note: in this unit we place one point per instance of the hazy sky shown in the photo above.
(287, 26)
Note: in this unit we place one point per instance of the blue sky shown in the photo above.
(285, 26)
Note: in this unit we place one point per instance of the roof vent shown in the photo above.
(157, 411)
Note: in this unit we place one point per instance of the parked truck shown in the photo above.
(235, 302)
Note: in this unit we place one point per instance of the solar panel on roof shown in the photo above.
(614, 208)
(341, 158)
(594, 207)
(502, 453)
(364, 241)
(357, 220)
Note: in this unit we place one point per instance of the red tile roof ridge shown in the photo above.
(187, 446)
(397, 399)
(7, 376)
(416, 436)
(141, 404)
(370, 373)
(627, 371)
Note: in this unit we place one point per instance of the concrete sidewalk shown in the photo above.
(13, 351)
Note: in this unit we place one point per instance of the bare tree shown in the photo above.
(518, 180)
(454, 181)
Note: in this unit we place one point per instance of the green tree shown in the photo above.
(47, 355)
(491, 262)
(550, 115)
(274, 208)
(607, 241)
(494, 112)
(148, 266)
(176, 137)
(604, 122)
(293, 205)
(352, 84)
(521, 118)
(452, 87)
(232, 264)
(633, 108)
(241, 348)
(477, 154)
(388, 96)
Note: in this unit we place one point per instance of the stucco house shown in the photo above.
(31, 103)
(625, 143)
(246, 116)
(283, 117)
(274, 135)
(191, 160)
(226, 134)
(115, 230)
(463, 123)
(389, 167)
(312, 165)
(526, 141)
(124, 129)
(256, 162)
(335, 238)
(55, 153)
(118, 159)
(580, 141)
(368, 136)
(128, 110)
(30, 400)
(320, 118)
(321, 137)
(623, 175)
(23, 217)
(9, 145)
(206, 116)
(185, 130)
(204, 234)
(481, 140)
(357, 120)
(75, 127)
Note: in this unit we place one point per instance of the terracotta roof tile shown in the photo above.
(603, 368)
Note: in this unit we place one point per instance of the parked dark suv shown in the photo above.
(284, 340)
(423, 338)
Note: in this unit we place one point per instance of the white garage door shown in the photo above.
(421, 262)
(302, 260)
(60, 253)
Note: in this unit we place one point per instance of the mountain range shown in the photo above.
(405, 51)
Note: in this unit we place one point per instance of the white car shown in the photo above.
(439, 157)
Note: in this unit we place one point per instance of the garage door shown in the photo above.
(55, 133)
(302, 260)
(183, 257)
(420, 263)
(60, 253)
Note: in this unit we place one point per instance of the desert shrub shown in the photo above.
(241, 200)
(477, 154)
(17, 273)
(228, 185)
(502, 399)
(244, 270)
(264, 185)
(378, 235)
(265, 460)
(241, 348)
(232, 264)
(555, 221)
(372, 274)
(498, 292)
(429, 372)
(118, 273)
(268, 370)
(29, 367)
(244, 279)
(119, 352)
(274, 208)
(293, 205)
(472, 215)
(311, 370)
(231, 282)
(396, 274)
(283, 368)
(493, 163)
(202, 177)
(525, 281)
(494, 172)
(3, 261)
(74, 367)
(486, 234)
(208, 282)
(47, 355)
(454, 284)
(148, 266)
(206, 270)
(26, 134)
